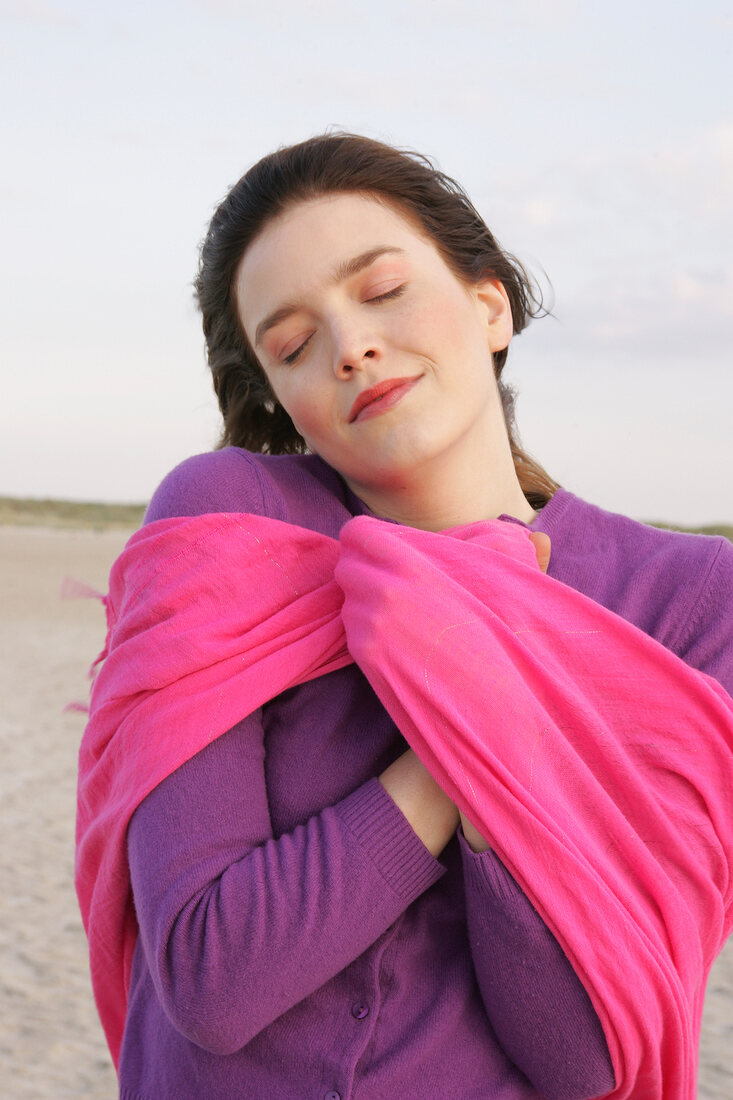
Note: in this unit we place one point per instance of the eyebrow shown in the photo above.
(343, 271)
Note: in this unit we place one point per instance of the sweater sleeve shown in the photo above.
(222, 904)
(535, 1002)
(224, 907)
(706, 636)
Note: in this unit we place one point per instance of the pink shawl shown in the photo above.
(595, 762)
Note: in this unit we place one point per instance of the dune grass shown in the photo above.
(95, 515)
(84, 515)
(725, 529)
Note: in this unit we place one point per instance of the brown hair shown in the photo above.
(341, 162)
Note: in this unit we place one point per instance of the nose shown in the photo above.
(353, 348)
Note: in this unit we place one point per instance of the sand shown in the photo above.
(51, 1044)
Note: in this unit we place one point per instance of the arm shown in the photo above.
(705, 640)
(568, 746)
(527, 984)
(535, 1002)
(218, 915)
(223, 906)
(538, 1007)
(427, 808)
(513, 991)
(171, 951)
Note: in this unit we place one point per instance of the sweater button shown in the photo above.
(359, 1011)
(332, 1095)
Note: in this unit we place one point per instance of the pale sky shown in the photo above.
(596, 139)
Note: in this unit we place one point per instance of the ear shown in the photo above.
(494, 301)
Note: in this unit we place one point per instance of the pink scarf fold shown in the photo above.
(595, 762)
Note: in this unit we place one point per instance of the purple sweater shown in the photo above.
(297, 940)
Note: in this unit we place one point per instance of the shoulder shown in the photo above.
(219, 481)
(606, 552)
(675, 586)
(299, 489)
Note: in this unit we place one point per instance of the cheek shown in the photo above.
(301, 405)
(285, 393)
(445, 321)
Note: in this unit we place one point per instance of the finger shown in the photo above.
(542, 548)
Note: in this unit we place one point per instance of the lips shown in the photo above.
(377, 395)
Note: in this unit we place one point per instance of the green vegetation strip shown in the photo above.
(26, 512)
(725, 529)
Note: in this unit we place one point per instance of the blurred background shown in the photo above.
(597, 141)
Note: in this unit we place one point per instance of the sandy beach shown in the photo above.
(51, 1045)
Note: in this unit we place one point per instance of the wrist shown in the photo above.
(427, 808)
(476, 842)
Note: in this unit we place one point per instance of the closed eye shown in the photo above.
(395, 293)
(388, 295)
(295, 355)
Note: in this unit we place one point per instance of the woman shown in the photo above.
(316, 917)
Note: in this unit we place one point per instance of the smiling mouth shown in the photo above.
(380, 397)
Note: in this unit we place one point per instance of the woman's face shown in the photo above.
(379, 354)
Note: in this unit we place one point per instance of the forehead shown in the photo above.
(300, 248)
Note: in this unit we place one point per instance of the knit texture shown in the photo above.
(565, 807)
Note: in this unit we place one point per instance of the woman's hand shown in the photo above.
(542, 547)
(426, 806)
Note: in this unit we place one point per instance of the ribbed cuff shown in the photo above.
(390, 842)
(484, 871)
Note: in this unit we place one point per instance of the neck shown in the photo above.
(439, 501)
